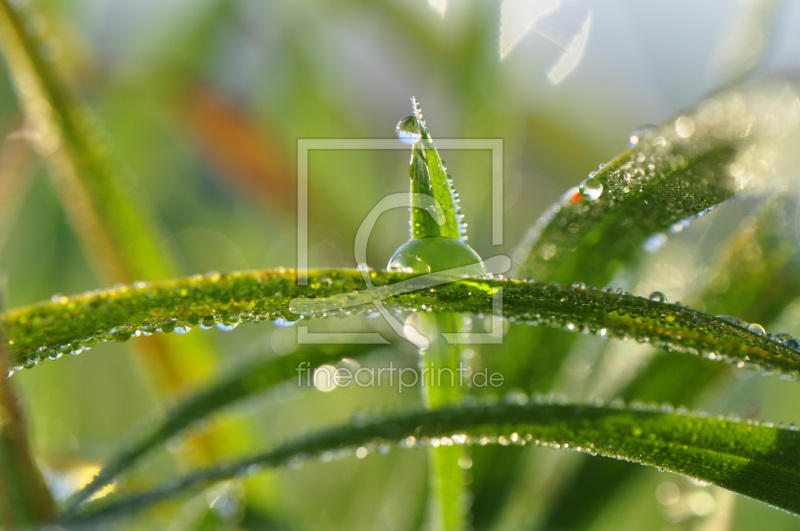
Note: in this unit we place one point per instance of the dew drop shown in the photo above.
(684, 127)
(408, 130)
(733, 320)
(642, 132)
(121, 334)
(591, 189)
(757, 329)
(657, 296)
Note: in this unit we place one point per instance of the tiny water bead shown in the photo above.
(641, 132)
(435, 254)
(408, 130)
(591, 189)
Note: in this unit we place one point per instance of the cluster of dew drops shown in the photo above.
(220, 320)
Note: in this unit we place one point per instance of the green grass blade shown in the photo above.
(248, 381)
(447, 508)
(598, 229)
(440, 365)
(757, 460)
(760, 266)
(25, 500)
(69, 324)
(735, 142)
(429, 177)
(116, 226)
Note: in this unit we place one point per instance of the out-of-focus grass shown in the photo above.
(271, 73)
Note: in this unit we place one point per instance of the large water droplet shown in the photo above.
(591, 189)
(657, 296)
(408, 130)
(436, 253)
(757, 328)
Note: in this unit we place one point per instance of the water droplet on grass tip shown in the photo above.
(756, 328)
(408, 130)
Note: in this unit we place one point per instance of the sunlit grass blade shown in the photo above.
(725, 147)
(735, 142)
(437, 244)
(249, 380)
(758, 267)
(757, 460)
(71, 324)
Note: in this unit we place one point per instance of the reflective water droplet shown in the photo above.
(756, 328)
(639, 133)
(408, 130)
(657, 296)
(732, 320)
(591, 189)
(121, 334)
(684, 127)
(434, 254)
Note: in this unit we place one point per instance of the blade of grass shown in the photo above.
(757, 460)
(680, 170)
(70, 324)
(25, 500)
(760, 265)
(448, 500)
(735, 142)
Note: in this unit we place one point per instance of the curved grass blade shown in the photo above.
(759, 265)
(735, 142)
(757, 460)
(248, 381)
(71, 324)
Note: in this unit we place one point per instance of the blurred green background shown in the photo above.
(205, 102)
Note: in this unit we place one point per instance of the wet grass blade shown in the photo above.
(735, 142)
(757, 460)
(759, 265)
(71, 324)
(725, 147)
